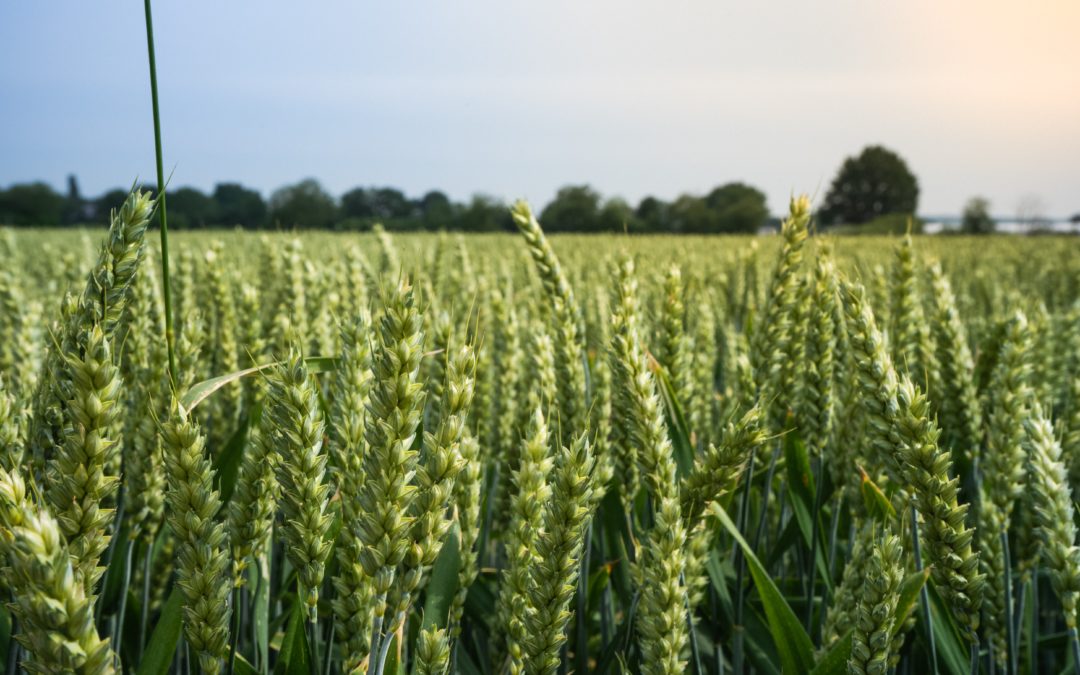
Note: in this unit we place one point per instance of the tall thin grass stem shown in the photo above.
(1075, 642)
(924, 595)
(814, 536)
(235, 637)
(1018, 621)
(1009, 626)
(765, 491)
(695, 650)
(166, 289)
(581, 648)
(144, 608)
(740, 569)
(1033, 639)
(122, 611)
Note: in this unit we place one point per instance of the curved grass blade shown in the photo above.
(200, 391)
(793, 644)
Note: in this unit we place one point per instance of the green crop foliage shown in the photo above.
(520, 453)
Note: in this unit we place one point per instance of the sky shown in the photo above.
(514, 99)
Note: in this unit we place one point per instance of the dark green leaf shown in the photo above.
(242, 667)
(5, 634)
(800, 475)
(719, 572)
(227, 466)
(114, 575)
(909, 597)
(616, 537)
(598, 581)
(877, 504)
(444, 582)
(295, 658)
(158, 657)
(952, 650)
(789, 536)
(465, 664)
(759, 645)
(801, 485)
(480, 600)
(393, 665)
(834, 661)
(792, 642)
(259, 582)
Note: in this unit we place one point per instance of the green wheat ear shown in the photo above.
(553, 581)
(396, 402)
(83, 475)
(56, 618)
(1055, 517)
(904, 438)
(202, 555)
(432, 652)
(773, 336)
(296, 430)
(840, 614)
(568, 329)
(531, 493)
(101, 305)
(872, 638)
(1004, 472)
(959, 409)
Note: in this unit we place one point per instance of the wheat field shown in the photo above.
(513, 454)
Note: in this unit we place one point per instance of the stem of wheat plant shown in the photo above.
(162, 210)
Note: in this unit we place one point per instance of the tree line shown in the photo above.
(734, 207)
(873, 191)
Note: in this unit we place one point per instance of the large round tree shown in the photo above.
(303, 205)
(875, 182)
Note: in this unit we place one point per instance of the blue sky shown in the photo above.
(516, 98)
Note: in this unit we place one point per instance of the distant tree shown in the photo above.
(652, 215)
(484, 214)
(235, 204)
(1075, 219)
(358, 203)
(691, 215)
(303, 205)
(617, 216)
(437, 210)
(31, 204)
(103, 205)
(190, 208)
(738, 208)
(576, 208)
(390, 204)
(875, 182)
(977, 218)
